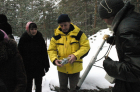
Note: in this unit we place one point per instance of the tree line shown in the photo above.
(83, 13)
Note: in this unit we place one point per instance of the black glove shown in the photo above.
(111, 40)
(107, 61)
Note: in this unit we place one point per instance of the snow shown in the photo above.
(16, 39)
(96, 74)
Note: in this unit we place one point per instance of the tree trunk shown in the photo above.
(86, 15)
(137, 5)
(44, 20)
(95, 15)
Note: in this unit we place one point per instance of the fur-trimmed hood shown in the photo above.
(7, 50)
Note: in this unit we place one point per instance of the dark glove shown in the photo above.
(108, 59)
(111, 40)
(107, 62)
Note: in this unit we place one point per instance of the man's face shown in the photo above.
(109, 21)
(33, 31)
(65, 26)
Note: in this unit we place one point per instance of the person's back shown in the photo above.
(12, 71)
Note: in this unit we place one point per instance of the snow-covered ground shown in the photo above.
(96, 74)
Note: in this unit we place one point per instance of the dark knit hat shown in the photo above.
(3, 18)
(63, 18)
(4, 25)
(109, 8)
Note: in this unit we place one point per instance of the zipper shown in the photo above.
(66, 40)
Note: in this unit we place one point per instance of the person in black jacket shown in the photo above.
(12, 72)
(33, 50)
(126, 26)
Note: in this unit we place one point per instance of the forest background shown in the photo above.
(83, 13)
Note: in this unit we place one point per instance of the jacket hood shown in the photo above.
(8, 50)
(59, 32)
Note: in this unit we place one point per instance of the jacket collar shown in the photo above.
(126, 10)
(70, 29)
(72, 32)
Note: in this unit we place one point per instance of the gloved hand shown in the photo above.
(108, 59)
(107, 62)
(110, 40)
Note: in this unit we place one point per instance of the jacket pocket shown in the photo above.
(74, 45)
(60, 49)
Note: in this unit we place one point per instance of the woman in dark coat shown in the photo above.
(12, 72)
(33, 50)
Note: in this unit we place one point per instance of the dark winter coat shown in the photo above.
(126, 27)
(12, 71)
(3, 87)
(34, 53)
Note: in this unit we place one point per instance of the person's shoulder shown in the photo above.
(77, 29)
(25, 34)
(56, 37)
(130, 22)
(12, 43)
(12, 47)
(39, 34)
(39, 37)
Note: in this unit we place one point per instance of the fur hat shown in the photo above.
(109, 8)
(63, 18)
(4, 25)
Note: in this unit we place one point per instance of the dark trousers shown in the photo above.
(38, 83)
(63, 80)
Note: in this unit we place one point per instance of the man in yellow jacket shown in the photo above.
(68, 41)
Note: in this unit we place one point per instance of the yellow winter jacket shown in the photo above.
(62, 45)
